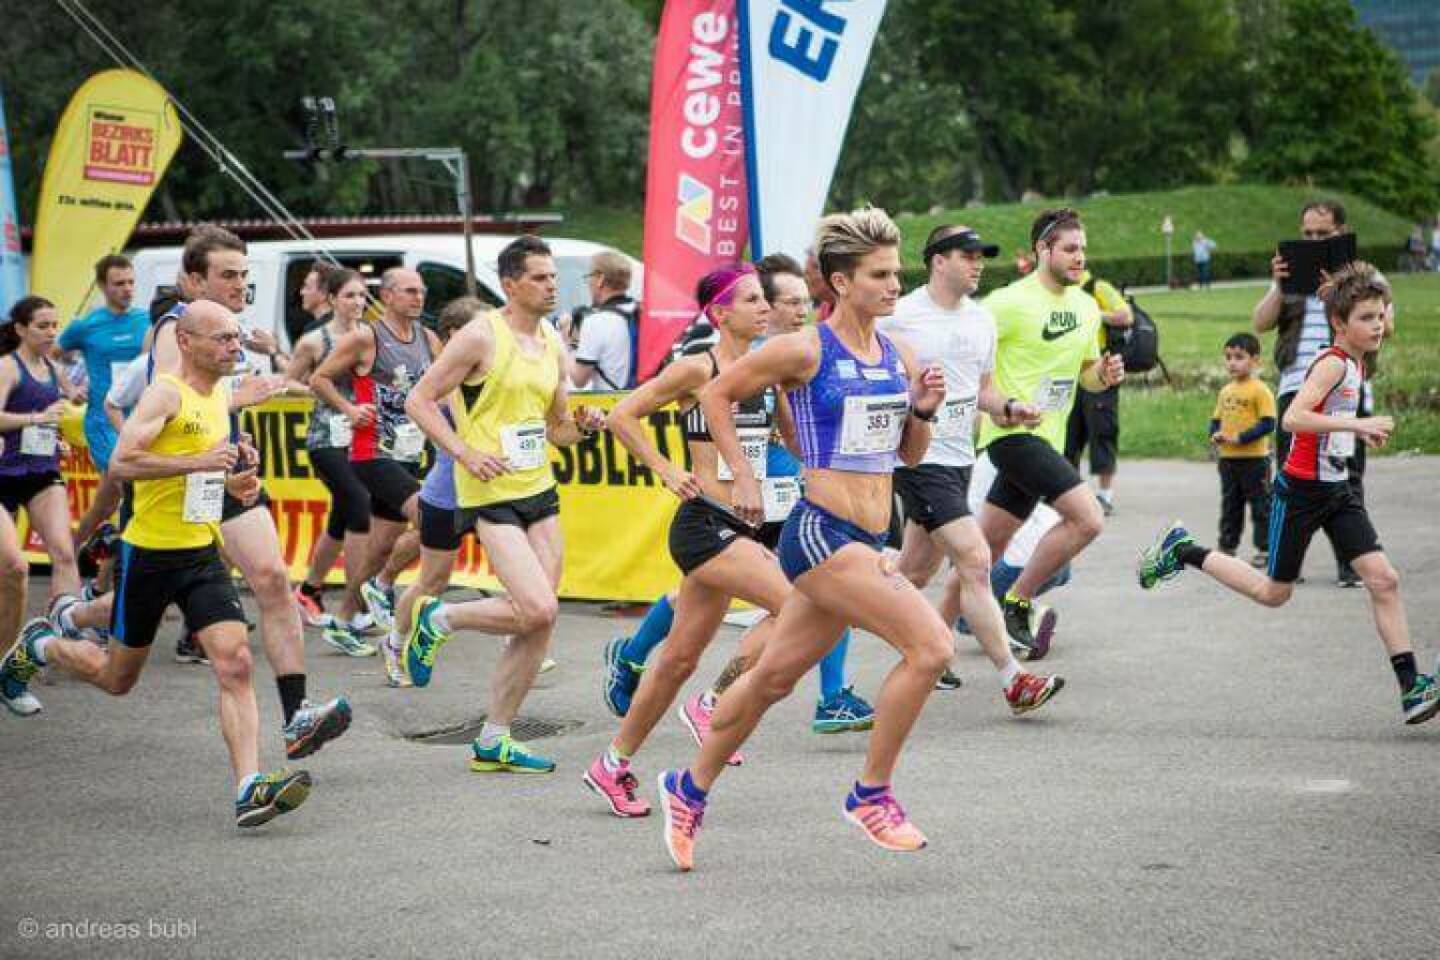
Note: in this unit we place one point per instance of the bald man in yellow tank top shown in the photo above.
(505, 370)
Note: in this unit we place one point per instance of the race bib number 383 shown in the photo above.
(872, 424)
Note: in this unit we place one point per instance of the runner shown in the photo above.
(860, 400)
(176, 449)
(944, 327)
(14, 575)
(508, 366)
(1313, 491)
(382, 361)
(1046, 344)
(327, 442)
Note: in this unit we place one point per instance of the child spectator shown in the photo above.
(1240, 428)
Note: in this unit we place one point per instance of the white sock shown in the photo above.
(396, 643)
(491, 733)
(40, 647)
(1102, 494)
(1008, 673)
(611, 759)
(441, 617)
(245, 785)
(65, 620)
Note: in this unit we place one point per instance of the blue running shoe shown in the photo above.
(622, 678)
(1161, 561)
(507, 756)
(19, 667)
(424, 641)
(313, 726)
(1421, 701)
(270, 795)
(843, 713)
(380, 602)
(347, 642)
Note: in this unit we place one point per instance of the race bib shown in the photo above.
(753, 441)
(956, 419)
(781, 494)
(117, 370)
(524, 445)
(409, 442)
(872, 424)
(39, 440)
(341, 433)
(1052, 395)
(204, 497)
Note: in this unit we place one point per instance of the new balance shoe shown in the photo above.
(19, 667)
(507, 756)
(1421, 701)
(395, 675)
(312, 606)
(380, 601)
(1030, 691)
(314, 725)
(695, 714)
(188, 649)
(271, 794)
(424, 641)
(1030, 627)
(843, 713)
(1161, 560)
(884, 822)
(617, 787)
(621, 680)
(351, 644)
(682, 819)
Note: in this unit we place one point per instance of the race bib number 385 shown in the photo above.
(754, 443)
(872, 424)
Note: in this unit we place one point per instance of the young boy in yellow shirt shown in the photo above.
(1240, 428)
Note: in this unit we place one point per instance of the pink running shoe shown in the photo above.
(682, 820)
(696, 717)
(617, 788)
(884, 822)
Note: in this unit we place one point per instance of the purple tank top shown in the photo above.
(439, 487)
(30, 396)
(851, 415)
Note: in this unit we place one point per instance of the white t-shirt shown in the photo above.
(125, 390)
(605, 345)
(1315, 336)
(962, 342)
(1042, 518)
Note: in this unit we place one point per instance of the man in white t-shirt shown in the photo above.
(605, 355)
(945, 327)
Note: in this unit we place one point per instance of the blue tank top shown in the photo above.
(852, 414)
(31, 396)
(439, 487)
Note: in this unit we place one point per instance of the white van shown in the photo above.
(278, 268)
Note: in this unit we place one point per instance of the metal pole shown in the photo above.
(462, 190)
(1169, 265)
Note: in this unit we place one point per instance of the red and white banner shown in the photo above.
(696, 198)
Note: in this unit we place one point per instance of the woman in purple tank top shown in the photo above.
(861, 404)
(32, 395)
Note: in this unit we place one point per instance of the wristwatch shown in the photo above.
(932, 417)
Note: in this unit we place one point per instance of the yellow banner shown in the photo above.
(111, 147)
(615, 514)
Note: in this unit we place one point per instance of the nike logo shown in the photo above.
(1061, 323)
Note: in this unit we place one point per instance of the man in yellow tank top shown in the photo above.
(505, 370)
(176, 449)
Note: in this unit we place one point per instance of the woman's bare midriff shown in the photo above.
(864, 499)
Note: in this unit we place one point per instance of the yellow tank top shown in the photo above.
(180, 513)
(504, 414)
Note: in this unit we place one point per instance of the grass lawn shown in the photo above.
(1161, 421)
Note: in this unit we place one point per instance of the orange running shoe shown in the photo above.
(682, 819)
(884, 822)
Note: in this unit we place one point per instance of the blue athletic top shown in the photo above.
(438, 490)
(107, 341)
(851, 415)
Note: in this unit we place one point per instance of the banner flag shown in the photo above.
(695, 193)
(111, 147)
(12, 262)
(801, 62)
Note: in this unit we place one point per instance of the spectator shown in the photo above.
(1201, 248)
(1435, 246)
(1023, 263)
(605, 354)
(1095, 417)
(314, 301)
(783, 281)
(820, 293)
(1240, 429)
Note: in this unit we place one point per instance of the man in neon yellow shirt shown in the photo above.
(1046, 347)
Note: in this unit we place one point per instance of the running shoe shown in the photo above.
(1260, 560)
(1421, 701)
(312, 607)
(19, 667)
(348, 643)
(100, 547)
(1030, 691)
(548, 664)
(622, 678)
(1161, 560)
(395, 675)
(617, 788)
(1030, 627)
(507, 756)
(696, 716)
(424, 641)
(682, 820)
(61, 617)
(313, 726)
(1107, 505)
(843, 713)
(270, 795)
(380, 602)
(188, 649)
(884, 822)
(949, 680)
(1346, 577)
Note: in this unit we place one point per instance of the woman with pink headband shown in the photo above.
(715, 550)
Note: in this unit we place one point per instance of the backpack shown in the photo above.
(1141, 345)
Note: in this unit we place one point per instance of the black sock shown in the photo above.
(310, 589)
(1192, 555)
(292, 693)
(1404, 666)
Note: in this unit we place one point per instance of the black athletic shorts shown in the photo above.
(16, 492)
(933, 494)
(438, 527)
(1095, 423)
(769, 535)
(1299, 508)
(149, 581)
(390, 483)
(523, 513)
(699, 533)
(349, 501)
(232, 508)
(1028, 470)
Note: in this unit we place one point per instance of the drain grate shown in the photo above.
(523, 729)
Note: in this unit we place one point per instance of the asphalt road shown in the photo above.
(1216, 780)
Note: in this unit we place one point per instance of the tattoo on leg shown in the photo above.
(731, 673)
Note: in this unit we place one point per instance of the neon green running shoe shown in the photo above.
(507, 756)
(1161, 561)
(424, 641)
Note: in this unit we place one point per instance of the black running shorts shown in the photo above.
(932, 494)
(700, 532)
(438, 530)
(17, 492)
(149, 581)
(1028, 470)
(390, 484)
(1301, 507)
(349, 501)
(523, 513)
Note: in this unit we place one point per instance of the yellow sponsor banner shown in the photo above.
(110, 149)
(614, 513)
